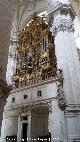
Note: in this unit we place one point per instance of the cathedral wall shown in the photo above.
(48, 91)
(10, 125)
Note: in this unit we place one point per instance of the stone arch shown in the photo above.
(30, 18)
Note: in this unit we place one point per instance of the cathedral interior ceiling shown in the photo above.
(25, 10)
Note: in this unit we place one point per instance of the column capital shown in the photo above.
(62, 17)
(63, 8)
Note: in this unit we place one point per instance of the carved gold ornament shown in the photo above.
(35, 53)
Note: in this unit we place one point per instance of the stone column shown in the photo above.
(67, 60)
(19, 129)
(29, 125)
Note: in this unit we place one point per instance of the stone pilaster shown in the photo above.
(65, 48)
(67, 60)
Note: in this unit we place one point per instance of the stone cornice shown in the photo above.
(63, 8)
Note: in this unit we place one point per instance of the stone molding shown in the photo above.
(30, 107)
(63, 9)
(72, 108)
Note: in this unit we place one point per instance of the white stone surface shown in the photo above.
(11, 114)
(48, 91)
(67, 60)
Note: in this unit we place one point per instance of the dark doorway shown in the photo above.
(24, 132)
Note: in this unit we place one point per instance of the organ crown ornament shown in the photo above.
(35, 53)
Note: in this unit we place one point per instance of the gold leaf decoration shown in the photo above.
(35, 53)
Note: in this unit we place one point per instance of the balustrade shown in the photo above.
(39, 79)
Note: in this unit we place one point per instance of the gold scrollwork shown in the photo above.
(35, 53)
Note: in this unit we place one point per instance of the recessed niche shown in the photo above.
(25, 96)
(39, 93)
(13, 99)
